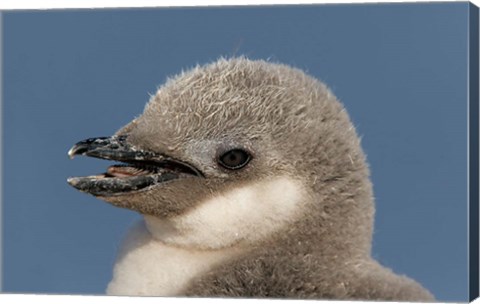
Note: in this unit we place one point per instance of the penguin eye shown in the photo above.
(234, 159)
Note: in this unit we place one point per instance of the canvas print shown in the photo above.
(293, 152)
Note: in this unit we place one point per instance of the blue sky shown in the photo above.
(399, 69)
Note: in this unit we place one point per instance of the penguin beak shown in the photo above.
(140, 169)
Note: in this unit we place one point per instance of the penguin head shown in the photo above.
(232, 152)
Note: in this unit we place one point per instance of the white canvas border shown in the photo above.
(78, 4)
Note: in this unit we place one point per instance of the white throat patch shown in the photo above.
(243, 215)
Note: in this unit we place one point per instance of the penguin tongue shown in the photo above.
(130, 170)
(126, 171)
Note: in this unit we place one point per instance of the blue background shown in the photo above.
(400, 70)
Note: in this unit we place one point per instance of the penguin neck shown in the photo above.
(336, 217)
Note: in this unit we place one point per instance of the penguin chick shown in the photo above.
(252, 183)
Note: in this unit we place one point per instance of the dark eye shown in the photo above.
(234, 159)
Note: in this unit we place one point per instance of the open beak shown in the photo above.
(139, 170)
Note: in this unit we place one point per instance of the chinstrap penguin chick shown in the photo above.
(252, 183)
